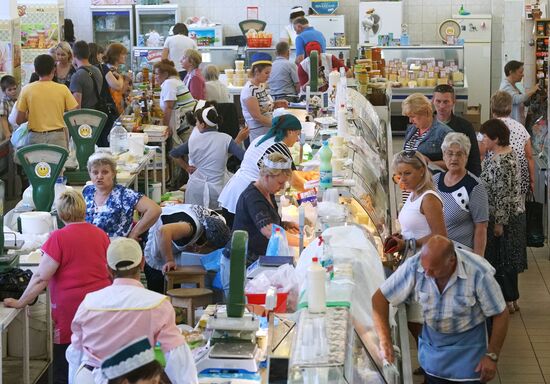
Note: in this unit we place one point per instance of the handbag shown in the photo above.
(13, 282)
(535, 228)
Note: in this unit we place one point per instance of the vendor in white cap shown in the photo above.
(181, 227)
(208, 152)
(134, 363)
(114, 316)
(289, 34)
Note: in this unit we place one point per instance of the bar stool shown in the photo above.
(190, 298)
(194, 274)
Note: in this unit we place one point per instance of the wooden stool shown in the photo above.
(190, 298)
(193, 275)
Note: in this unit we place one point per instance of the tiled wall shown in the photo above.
(422, 16)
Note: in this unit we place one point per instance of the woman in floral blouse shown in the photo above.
(110, 206)
(505, 235)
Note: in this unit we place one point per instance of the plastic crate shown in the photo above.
(259, 299)
(259, 42)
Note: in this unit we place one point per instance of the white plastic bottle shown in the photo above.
(316, 295)
(118, 139)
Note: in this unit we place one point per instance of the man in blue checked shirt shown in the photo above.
(458, 293)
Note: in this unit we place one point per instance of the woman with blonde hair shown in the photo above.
(425, 134)
(420, 218)
(215, 89)
(257, 211)
(64, 68)
(73, 264)
(193, 79)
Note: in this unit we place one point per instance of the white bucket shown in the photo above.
(38, 332)
(36, 223)
(136, 143)
(155, 192)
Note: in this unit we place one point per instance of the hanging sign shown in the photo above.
(324, 7)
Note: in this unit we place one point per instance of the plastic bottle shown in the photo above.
(316, 296)
(118, 139)
(327, 261)
(159, 355)
(59, 187)
(342, 120)
(325, 170)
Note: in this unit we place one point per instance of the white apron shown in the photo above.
(247, 173)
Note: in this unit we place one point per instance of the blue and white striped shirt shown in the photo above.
(471, 295)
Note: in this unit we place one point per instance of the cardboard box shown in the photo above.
(473, 115)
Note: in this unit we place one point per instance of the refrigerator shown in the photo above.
(333, 28)
(113, 24)
(153, 23)
(379, 18)
(475, 30)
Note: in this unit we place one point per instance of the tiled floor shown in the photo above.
(525, 356)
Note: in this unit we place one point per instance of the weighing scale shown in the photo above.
(42, 164)
(233, 341)
(6, 261)
(85, 126)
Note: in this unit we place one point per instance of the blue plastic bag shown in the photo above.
(278, 244)
(211, 261)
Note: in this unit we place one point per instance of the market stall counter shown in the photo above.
(339, 344)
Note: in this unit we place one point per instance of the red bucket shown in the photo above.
(259, 299)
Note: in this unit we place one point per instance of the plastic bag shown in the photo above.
(278, 244)
(20, 136)
(284, 279)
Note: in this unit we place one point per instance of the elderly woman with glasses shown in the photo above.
(465, 204)
(284, 133)
(257, 210)
(425, 134)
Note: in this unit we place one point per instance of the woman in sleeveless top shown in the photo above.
(420, 218)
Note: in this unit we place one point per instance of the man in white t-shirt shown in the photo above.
(176, 45)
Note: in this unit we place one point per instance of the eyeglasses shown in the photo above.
(450, 154)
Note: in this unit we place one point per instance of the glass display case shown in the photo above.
(370, 170)
(113, 24)
(153, 23)
(424, 67)
(145, 57)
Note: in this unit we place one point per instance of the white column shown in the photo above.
(8, 10)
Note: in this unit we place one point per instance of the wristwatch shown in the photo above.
(493, 356)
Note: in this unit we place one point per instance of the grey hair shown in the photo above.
(457, 138)
(101, 158)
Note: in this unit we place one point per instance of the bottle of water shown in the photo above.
(118, 139)
(325, 169)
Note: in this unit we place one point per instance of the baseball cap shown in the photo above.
(261, 58)
(126, 251)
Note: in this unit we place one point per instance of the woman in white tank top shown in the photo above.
(420, 217)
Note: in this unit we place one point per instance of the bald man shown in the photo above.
(458, 293)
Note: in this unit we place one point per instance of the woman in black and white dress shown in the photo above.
(465, 203)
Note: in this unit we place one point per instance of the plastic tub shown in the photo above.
(259, 299)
